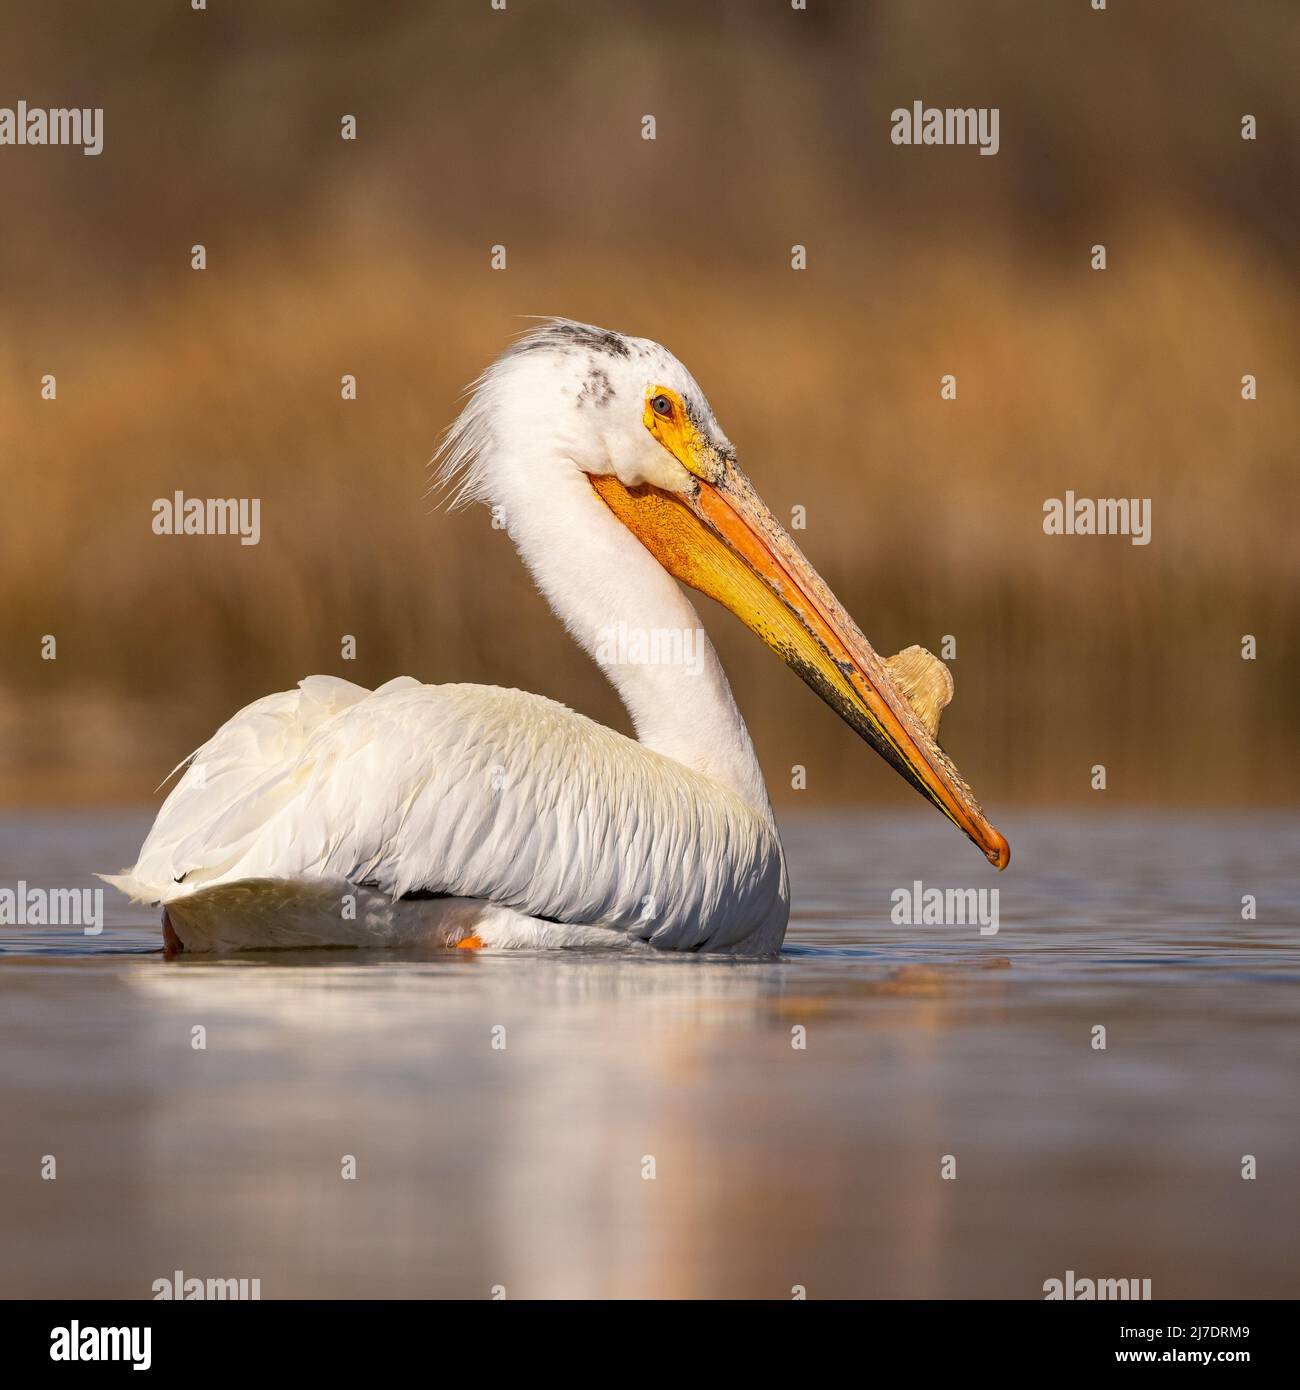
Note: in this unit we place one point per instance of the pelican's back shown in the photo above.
(464, 792)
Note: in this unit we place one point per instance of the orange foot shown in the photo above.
(470, 943)
(172, 944)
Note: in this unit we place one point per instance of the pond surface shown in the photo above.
(524, 1166)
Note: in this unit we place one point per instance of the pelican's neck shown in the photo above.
(629, 614)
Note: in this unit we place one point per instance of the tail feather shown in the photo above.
(139, 892)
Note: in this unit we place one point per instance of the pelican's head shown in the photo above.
(623, 417)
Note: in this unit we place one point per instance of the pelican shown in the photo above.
(474, 817)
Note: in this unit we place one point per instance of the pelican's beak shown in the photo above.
(720, 538)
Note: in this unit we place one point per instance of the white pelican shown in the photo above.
(465, 815)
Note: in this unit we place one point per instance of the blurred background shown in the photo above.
(523, 128)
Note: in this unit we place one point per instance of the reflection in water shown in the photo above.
(774, 1165)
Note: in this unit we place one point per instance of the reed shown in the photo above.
(924, 515)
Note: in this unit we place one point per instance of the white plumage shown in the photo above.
(541, 826)
(462, 814)
(313, 803)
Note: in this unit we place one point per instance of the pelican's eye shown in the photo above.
(661, 405)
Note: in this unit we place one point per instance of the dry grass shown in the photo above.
(478, 127)
(925, 516)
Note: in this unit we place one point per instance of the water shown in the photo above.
(774, 1167)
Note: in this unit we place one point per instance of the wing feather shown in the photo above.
(470, 791)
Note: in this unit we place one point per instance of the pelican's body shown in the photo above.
(550, 828)
(462, 814)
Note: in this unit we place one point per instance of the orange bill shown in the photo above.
(721, 539)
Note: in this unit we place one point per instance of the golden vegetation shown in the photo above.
(925, 516)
